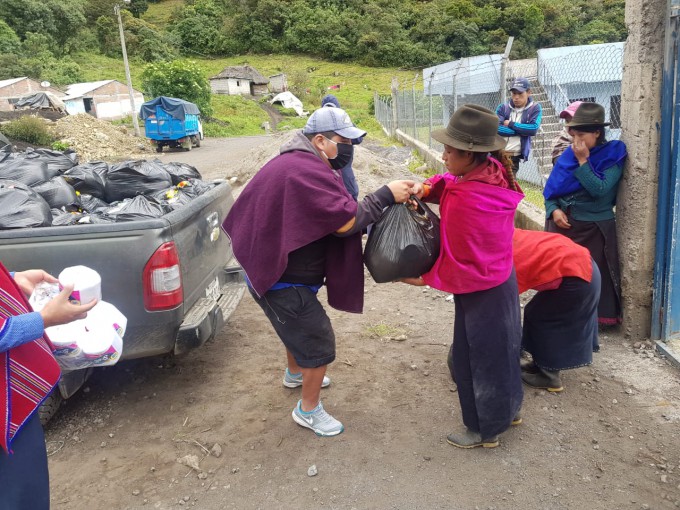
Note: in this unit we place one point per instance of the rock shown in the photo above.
(202, 475)
(136, 492)
(190, 461)
(312, 471)
(216, 450)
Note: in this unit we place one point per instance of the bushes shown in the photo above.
(28, 129)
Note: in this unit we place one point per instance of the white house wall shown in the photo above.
(75, 106)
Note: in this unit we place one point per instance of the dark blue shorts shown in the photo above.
(301, 323)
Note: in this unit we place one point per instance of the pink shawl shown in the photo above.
(476, 231)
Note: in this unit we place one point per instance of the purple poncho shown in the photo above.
(293, 200)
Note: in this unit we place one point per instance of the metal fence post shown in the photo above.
(395, 113)
(429, 124)
(415, 111)
(504, 70)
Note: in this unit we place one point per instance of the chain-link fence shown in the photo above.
(558, 76)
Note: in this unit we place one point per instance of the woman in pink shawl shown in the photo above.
(478, 198)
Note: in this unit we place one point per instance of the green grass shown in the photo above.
(238, 117)
(533, 194)
(159, 13)
(383, 331)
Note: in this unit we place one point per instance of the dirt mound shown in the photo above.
(44, 113)
(95, 139)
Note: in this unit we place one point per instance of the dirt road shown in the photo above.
(609, 441)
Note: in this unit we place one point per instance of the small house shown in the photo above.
(239, 80)
(15, 88)
(278, 83)
(108, 99)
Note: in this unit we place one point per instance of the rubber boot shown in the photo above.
(544, 380)
(469, 439)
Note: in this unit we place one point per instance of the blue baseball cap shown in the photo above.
(332, 119)
(520, 85)
(330, 100)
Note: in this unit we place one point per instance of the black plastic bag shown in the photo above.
(21, 207)
(195, 187)
(90, 204)
(61, 217)
(404, 243)
(57, 192)
(94, 218)
(131, 178)
(28, 171)
(57, 161)
(88, 178)
(180, 171)
(172, 197)
(137, 208)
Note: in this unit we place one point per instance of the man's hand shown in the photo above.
(61, 311)
(560, 219)
(27, 280)
(506, 123)
(402, 190)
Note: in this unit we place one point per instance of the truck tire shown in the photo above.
(159, 148)
(50, 406)
(197, 139)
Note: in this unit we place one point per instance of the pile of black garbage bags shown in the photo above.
(43, 187)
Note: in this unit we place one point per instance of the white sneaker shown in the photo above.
(322, 423)
(295, 380)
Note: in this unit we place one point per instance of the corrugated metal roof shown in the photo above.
(80, 89)
(473, 75)
(11, 81)
(594, 63)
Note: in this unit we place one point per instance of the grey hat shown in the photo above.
(588, 114)
(332, 119)
(472, 128)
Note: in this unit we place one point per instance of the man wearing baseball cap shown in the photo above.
(519, 120)
(294, 229)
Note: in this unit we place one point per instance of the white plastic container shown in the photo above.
(105, 313)
(87, 284)
(64, 339)
(101, 346)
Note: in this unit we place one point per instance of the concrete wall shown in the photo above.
(230, 86)
(637, 201)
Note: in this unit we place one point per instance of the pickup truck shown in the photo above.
(173, 277)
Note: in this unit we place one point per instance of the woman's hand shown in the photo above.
(560, 219)
(27, 280)
(61, 311)
(418, 282)
(581, 151)
(418, 189)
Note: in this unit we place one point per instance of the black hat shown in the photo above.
(471, 128)
(588, 114)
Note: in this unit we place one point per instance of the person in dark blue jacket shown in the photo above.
(519, 120)
(348, 177)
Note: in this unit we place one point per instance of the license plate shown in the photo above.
(213, 289)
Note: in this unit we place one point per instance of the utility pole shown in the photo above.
(131, 93)
(504, 70)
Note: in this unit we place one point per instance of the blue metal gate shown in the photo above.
(666, 302)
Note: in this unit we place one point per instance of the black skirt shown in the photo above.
(560, 326)
(486, 350)
(600, 239)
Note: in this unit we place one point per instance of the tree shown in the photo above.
(179, 78)
(9, 40)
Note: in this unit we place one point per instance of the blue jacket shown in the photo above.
(528, 127)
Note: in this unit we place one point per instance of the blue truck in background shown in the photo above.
(172, 122)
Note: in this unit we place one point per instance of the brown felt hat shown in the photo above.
(588, 114)
(471, 128)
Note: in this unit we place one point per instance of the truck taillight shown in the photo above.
(163, 279)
